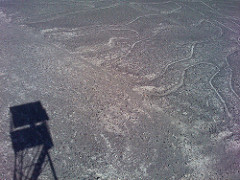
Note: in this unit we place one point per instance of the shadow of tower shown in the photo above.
(31, 141)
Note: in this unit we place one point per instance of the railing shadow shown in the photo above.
(31, 140)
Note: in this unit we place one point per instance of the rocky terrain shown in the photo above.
(138, 89)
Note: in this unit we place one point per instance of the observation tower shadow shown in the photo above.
(31, 140)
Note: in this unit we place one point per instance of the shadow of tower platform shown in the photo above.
(31, 141)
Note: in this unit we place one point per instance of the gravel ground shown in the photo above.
(131, 89)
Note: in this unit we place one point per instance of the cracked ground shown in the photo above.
(133, 89)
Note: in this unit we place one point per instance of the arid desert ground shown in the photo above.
(120, 89)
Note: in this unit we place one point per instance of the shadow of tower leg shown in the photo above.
(38, 166)
(52, 167)
(15, 167)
